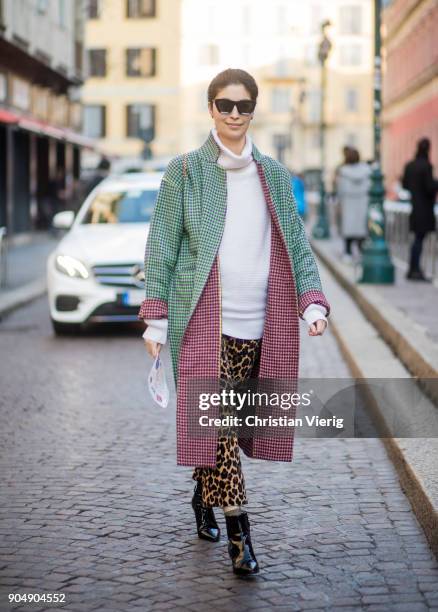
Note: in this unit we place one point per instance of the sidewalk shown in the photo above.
(405, 313)
(26, 269)
(389, 332)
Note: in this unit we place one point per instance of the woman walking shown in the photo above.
(228, 273)
(352, 187)
(419, 180)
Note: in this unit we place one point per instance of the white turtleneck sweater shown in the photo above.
(244, 252)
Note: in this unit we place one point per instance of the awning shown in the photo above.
(8, 117)
(79, 139)
(45, 129)
(40, 127)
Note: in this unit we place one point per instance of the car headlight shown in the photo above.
(71, 266)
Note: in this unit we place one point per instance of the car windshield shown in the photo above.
(129, 206)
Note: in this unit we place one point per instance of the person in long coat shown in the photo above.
(418, 179)
(228, 274)
(352, 187)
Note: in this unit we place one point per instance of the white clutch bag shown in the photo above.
(157, 383)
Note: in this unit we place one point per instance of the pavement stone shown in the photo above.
(94, 506)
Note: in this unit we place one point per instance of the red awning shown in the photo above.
(45, 129)
(8, 117)
(79, 139)
(40, 127)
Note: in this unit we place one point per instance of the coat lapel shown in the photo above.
(214, 197)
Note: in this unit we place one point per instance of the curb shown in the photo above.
(414, 458)
(422, 505)
(415, 350)
(15, 298)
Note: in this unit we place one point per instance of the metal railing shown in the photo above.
(400, 239)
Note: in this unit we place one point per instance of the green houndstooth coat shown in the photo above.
(182, 283)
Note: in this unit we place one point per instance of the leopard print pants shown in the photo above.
(224, 485)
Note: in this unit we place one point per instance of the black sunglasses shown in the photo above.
(225, 106)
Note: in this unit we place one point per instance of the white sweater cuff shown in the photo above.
(314, 312)
(156, 330)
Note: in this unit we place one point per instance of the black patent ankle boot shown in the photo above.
(205, 520)
(240, 546)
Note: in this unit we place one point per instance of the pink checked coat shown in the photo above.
(182, 282)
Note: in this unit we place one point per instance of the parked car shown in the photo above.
(96, 272)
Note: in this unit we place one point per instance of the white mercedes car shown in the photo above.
(96, 272)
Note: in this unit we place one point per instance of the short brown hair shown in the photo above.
(232, 76)
(352, 156)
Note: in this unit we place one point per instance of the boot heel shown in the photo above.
(239, 545)
(206, 524)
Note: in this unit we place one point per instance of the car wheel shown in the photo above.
(65, 329)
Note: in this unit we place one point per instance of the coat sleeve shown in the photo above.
(430, 184)
(163, 242)
(307, 278)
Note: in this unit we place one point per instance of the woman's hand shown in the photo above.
(317, 328)
(152, 347)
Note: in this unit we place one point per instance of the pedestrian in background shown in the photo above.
(419, 181)
(299, 189)
(56, 196)
(334, 200)
(352, 187)
(227, 202)
(101, 171)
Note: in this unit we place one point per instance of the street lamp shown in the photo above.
(321, 228)
(376, 263)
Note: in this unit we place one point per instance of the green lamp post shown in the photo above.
(322, 227)
(377, 266)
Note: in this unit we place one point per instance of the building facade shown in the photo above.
(41, 49)
(278, 44)
(410, 86)
(153, 76)
(131, 95)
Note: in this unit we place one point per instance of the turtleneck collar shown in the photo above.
(229, 160)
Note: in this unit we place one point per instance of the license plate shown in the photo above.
(132, 298)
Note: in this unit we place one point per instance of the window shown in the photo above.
(42, 6)
(140, 8)
(314, 101)
(61, 13)
(141, 121)
(351, 139)
(246, 54)
(141, 62)
(246, 19)
(97, 62)
(133, 205)
(280, 100)
(95, 120)
(281, 67)
(209, 55)
(350, 19)
(212, 19)
(351, 100)
(316, 139)
(350, 55)
(282, 23)
(311, 55)
(315, 19)
(281, 142)
(202, 101)
(93, 9)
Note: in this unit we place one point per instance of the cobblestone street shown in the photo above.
(94, 506)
